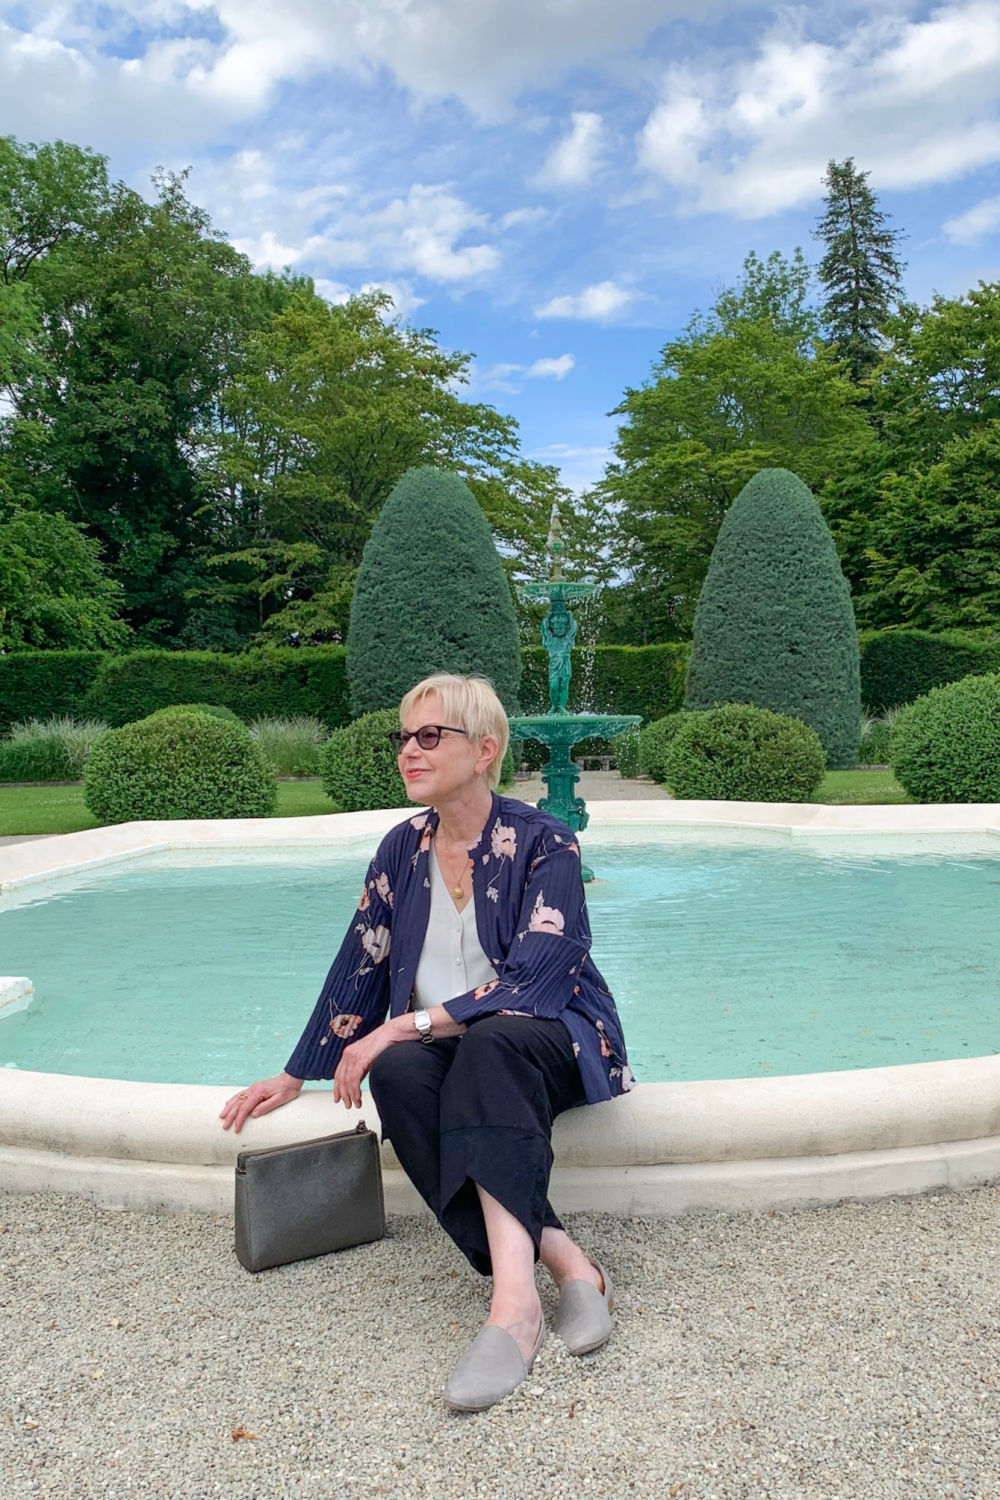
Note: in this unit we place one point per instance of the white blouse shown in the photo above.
(452, 960)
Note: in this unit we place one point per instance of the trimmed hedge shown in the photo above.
(358, 765)
(258, 684)
(898, 666)
(741, 753)
(774, 624)
(431, 596)
(178, 763)
(946, 746)
(646, 680)
(44, 684)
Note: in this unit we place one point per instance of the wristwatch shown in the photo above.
(422, 1022)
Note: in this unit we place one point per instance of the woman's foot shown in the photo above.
(523, 1324)
(493, 1366)
(565, 1261)
(583, 1318)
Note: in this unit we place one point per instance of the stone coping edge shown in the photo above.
(723, 1120)
(70, 853)
(658, 1191)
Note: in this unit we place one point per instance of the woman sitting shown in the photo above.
(472, 932)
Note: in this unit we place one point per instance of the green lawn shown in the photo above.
(860, 788)
(60, 809)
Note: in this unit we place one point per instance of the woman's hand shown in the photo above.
(356, 1059)
(259, 1099)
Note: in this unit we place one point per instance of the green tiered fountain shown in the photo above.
(559, 729)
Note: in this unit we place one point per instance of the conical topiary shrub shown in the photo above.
(774, 624)
(431, 596)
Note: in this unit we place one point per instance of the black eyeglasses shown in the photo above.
(428, 736)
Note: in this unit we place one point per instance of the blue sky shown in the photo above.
(554, 185)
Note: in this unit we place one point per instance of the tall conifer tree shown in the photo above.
(861, 272)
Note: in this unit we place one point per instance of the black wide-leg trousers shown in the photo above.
(478, 1109)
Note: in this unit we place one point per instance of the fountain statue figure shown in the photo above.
(558, 636)
(559, 729)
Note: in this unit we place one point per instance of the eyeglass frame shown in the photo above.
(400, 738)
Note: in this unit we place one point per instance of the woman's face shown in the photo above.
(452, 768)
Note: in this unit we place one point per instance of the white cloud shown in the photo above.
(483, 52)
(596, 302)
(975, 224)
(508, 377)
(915, 102)
(66, 86)
(551, 369)
(420, 234)
(229, 57)
(518, 218)
(580, 467)
(574, 159)
(403, 298)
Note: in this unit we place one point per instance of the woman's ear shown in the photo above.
(488, 747)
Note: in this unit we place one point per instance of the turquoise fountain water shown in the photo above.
(727, 958)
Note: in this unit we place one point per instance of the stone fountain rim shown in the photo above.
(722, 1144)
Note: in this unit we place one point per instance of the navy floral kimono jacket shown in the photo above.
(532, 922)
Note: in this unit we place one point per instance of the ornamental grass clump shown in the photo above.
(53, 749)
(291, 746)
(625, 749)
(945, 747)
(178, 763)
(740, 753)
(876, 736)
(358, 765)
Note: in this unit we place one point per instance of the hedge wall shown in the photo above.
(119, 689)
(900, 665)
(646, 680)
(896, 667)
(38, 684)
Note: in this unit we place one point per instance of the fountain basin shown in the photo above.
(567, 730)
(666, 1148)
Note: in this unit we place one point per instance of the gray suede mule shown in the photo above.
(583, 1318)
(490, 1369)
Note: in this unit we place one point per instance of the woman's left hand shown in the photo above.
(356, 1060)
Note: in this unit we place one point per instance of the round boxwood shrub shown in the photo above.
(178, 763)
(358, 765)
(741, 753)
(774, 624)
(431, 596)
(214, 711)
(945, 747)
(653, 743)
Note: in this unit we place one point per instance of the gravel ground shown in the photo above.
(846, 1352)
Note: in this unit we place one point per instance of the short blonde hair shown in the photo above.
(469, 703)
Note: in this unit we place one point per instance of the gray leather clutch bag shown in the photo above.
(308, 1199)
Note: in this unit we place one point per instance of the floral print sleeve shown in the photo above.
(542, 969)
(355, 996)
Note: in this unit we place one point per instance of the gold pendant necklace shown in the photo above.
(457, 890)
